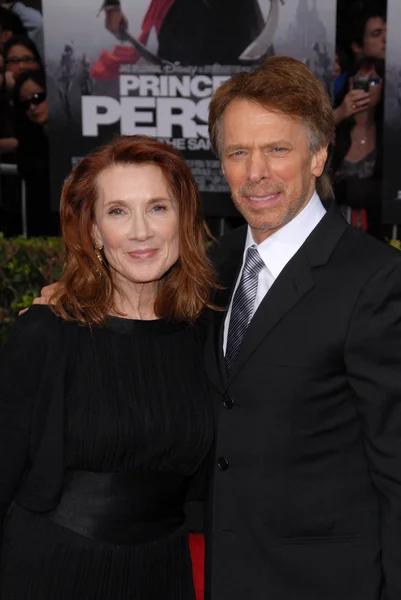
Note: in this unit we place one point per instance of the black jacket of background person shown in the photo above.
(206, 32)
(197, 32)
(306, 497)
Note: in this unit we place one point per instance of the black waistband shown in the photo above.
(121, 508)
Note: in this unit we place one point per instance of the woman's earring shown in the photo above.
(98, 251)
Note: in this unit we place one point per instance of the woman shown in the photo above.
(30, 95)
(31, 116)
(20, 55)
(104, 414)
(357, 159)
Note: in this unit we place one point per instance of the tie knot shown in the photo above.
(253, 261)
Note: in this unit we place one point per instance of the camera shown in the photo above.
(360, 83)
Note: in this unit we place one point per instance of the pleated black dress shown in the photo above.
(138, 425)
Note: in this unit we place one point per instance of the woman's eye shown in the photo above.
(116, 211)
(159, 208)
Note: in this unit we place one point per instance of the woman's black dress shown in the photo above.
(137, 427)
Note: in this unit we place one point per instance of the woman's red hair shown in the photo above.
(86, 291)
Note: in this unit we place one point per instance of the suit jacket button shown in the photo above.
(223, 463)
(228, 402)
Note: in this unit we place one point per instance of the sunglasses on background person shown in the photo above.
(36, 99)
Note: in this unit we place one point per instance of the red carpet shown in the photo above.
(197, 547)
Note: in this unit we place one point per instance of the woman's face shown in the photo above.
(137, 223)
(20, 59)
(33, 101)
(375, 85)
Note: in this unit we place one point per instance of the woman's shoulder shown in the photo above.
(37, 337)
(38, 316)
(38, 327)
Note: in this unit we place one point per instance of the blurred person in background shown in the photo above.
(8, 141)
(29, 18)
(31, 116)
(339, 72)
(358, 154)
(20, 54)
(10, 25)
(370, 34)
(10, 219)
(368, 39)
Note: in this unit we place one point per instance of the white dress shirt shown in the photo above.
(277, 250)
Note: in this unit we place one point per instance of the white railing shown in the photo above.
(6, 169)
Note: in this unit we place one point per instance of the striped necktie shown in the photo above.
(243, 303)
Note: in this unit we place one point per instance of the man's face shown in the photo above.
(374, 41)
(268, 165)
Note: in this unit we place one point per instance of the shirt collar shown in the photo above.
(278, 249)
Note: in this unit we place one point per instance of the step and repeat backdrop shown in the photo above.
(158, 77)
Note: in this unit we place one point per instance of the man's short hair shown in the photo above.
(11, 22)
(286, 86)
(358, 30)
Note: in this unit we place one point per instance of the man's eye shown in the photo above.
(278, 149)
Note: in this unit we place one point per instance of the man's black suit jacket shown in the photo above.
(306, 496)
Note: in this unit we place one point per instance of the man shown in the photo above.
(305, 364)
(369, 34)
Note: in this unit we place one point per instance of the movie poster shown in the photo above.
(155, 75)
(392, 117)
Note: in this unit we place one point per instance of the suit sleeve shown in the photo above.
(373, 363)
(22, 361)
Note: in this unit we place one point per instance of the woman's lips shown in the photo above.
(143, 254)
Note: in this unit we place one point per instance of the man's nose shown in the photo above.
(258, 167)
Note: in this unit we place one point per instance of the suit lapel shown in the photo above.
(293, 283)
(289, 288)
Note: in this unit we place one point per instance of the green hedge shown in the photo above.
(25, 267)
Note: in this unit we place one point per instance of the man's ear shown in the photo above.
(356, 49)
(318, 161)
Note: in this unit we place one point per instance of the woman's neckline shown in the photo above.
(127, 325)
(349, 162)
